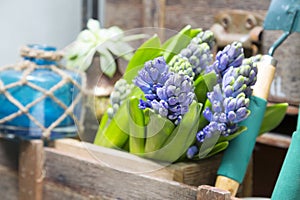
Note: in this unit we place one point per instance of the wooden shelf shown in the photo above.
(275, 139)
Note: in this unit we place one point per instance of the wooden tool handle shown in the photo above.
(228, 184)
(265, 75)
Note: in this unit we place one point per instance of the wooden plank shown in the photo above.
(73, 174)
(8, 183)
(81, 174)
(208, 192)
(57, 191)
(51, 191)
(198, 173)
(275, 139)
(31, 159)
(109, 157)
(125, 14)
(191, 173)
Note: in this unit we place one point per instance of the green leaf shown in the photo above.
(234, 135)
(115, 134)
(147, 51)
(179, 41)
(204, 84)
(181, 138)
(103, 123)
(202, 121)
(218, 148)
(208, 144)
(210, 80)
(107, 62)
(273, 116)
(136, 127)
(195, 32)
(158, 130)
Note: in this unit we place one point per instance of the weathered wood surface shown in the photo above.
(8, 183)
(191, 173)
(208, 192)
(276, 140)
(31, 164)
(72, 174)
(86, 176)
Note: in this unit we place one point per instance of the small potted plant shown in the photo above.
(103, 54)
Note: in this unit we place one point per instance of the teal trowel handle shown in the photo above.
(236, 157)
(288, 182)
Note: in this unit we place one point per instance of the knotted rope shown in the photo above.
(27, 67)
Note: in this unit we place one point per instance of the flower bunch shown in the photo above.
(179, 101)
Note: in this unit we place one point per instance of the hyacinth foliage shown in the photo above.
(181, 98)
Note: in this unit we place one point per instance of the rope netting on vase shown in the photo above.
(26, 68)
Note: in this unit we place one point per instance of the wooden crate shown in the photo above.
(72, 172)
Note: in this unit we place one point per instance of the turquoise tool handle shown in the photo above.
(288, 182)
(236, 157)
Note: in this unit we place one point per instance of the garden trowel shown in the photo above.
(282, 15)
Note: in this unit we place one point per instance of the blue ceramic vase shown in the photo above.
(41, 93)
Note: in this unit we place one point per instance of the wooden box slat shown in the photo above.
(72, 173)
(89, 177)
(8, 183)
(191, 173)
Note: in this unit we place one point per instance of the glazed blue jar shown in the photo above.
(38, 98)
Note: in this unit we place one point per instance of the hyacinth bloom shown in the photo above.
(240, 79)
(231, 55)
(229, 101)
(193, 150)
(121, 91)
(199, 55)
(204, 37)
(174, 97)
(154, 74)
(168, 94)
(181, 65)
